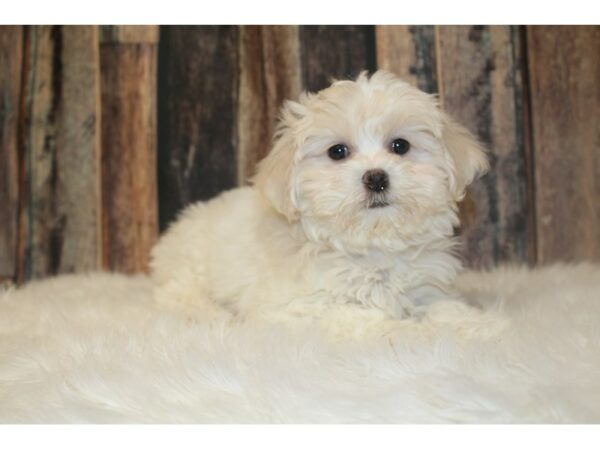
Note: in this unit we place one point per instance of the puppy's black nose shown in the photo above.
(376, 180)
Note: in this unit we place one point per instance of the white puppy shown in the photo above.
(350, 218)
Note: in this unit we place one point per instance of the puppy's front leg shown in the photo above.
(179, 271)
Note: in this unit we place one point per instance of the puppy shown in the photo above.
(349, 220)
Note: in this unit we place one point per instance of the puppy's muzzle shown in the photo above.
(376, 180)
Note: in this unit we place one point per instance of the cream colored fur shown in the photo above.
(97, 349)
(302, 242)
(293, 301)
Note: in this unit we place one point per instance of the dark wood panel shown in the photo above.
(409, 52)
(335, 51)
(11, 42)
(269, 74)
(129, 151)
(564, 68)
(198, 86)
(479, 72)
(61, 145)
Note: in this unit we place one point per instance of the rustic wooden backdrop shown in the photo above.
(106, 132)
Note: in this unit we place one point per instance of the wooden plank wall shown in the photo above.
(107, 132)
(564, 70)
(130, 213)
(339, 52)
(269, 73)
(78, 128)
(198, 79)
(479, 72)
(61, 197)
(409, 51)
(11, 42)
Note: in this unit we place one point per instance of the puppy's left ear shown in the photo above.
(274, 177)
(467, 153)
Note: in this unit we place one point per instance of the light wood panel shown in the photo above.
(129, 195)
(269, 73)
(564, 68)
(61, 217)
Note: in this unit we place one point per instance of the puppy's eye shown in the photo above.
(400, 146)
(337, 152)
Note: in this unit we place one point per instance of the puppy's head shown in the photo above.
(369, 162)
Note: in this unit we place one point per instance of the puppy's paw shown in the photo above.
(465, 320)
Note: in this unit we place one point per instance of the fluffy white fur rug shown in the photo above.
(96, 349)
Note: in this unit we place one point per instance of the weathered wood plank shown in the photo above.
(129, 34)
(409, 52)
(269, 74)
(564, 69)
(335, 51)
(198, 86)
(11, 40)
(129, 195)
(479, 72)
(61, 145)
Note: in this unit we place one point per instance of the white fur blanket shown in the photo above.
(95, 349)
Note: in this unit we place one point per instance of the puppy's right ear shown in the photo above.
(275, 173)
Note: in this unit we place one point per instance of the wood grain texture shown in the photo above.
(269, 73)
(335, 51)
(409, 52)
(61, 145)
(11, 42)
(198, 87)
(129, 193)
(129, 34)
(564, 70)
(479, 69)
